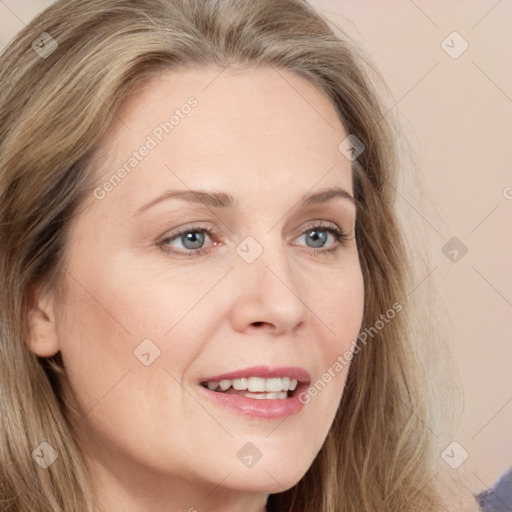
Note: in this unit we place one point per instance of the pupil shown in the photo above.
(195, 240)
(318, 237)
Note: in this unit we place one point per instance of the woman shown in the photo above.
(205, 294)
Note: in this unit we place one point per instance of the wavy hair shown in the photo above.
(378, 454)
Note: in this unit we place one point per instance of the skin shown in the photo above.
(150, 440)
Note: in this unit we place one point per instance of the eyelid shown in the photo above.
(180, 231)
(341, 235)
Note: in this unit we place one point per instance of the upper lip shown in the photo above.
(268, 372)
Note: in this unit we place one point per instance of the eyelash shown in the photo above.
(339, 235)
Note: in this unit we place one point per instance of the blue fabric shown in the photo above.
(499, 497)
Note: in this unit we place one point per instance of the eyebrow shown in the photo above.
(224, 200)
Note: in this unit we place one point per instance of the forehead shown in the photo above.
(258, 130)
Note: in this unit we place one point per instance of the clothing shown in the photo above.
(499, 497)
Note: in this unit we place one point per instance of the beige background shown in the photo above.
(457, 114)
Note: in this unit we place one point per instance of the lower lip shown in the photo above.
(263, 408)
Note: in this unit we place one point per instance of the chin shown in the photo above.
(270, 477)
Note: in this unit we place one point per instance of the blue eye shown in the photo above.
(193, 239)
(319, 236)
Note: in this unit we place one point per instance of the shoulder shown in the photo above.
(499, 497)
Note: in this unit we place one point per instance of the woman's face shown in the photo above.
(166, 291)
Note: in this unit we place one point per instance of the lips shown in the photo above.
(292, 372)
(259, 390)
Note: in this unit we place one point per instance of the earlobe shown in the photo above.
(43, 347)
(42, 339)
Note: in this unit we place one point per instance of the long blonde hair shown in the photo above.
(54, 110)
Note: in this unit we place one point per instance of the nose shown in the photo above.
(268, 294)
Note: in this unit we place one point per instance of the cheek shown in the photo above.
(124, 319)
(108, 332)
(340, 307)
(96, 344)
(336, 303)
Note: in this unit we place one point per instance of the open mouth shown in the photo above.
(259, 388)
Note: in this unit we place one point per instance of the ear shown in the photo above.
(42, 339)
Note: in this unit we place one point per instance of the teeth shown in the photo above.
(268, 396)
(255, 384)
(239, 384)
(272, 386)
(280, 394)
(224, 384)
